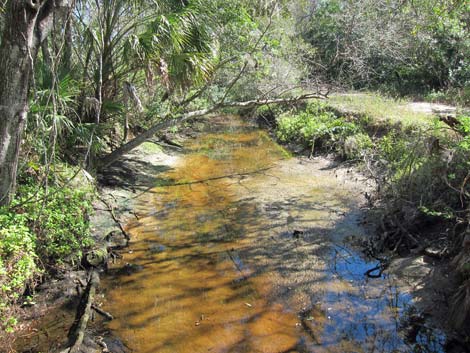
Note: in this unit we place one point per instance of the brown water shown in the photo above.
(241, 249)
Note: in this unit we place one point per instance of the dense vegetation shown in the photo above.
(421, 170)
(100, 77)
(402, 47)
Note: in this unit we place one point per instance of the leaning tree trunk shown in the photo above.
(138, 140)
(27, 23)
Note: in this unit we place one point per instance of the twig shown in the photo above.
(118, 222)
(100, 311)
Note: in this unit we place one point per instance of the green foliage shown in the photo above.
(150, 147)
(177, 41)
(41, 230)
(54, 105)
(59, 219)
(268, 110)
(401, 47)
(314, 126)
(17, 262)
(464, 129)
(453, 95)
(268, 49)
(420, 179)
(355, 146)
(422, 170)
(402, 155)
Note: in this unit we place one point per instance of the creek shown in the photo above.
(242, 248)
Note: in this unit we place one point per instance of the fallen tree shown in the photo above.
(169, 121)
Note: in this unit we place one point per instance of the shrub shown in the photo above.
(315, 127)
(61, 225)
(356, 145)
(424, 175)
(17, 262)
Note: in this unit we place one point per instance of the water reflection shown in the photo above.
(216, 268)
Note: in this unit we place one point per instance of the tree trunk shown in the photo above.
(27, 23)
(16, 55)
(67, 64)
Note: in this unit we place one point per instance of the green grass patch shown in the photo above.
(381, 111)
(150, 147)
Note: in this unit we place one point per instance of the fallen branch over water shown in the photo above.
(169, 121)
(115, 218)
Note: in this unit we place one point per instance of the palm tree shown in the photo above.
(135, 39)
(160, 43)
(116, 41)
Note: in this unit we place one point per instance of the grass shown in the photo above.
(150, 147)
(382, 111)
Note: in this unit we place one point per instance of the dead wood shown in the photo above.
(102, 312)
(77, 332)
(171, 120)
(115, 218)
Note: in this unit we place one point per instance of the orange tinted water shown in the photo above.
(213, 265)
(192, 295)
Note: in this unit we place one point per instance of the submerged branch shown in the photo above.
(77, 333)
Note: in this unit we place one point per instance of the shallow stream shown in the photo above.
(241, 248)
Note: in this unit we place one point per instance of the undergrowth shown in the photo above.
(44, 230)
(316, 127)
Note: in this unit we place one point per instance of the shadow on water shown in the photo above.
(243, 250)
